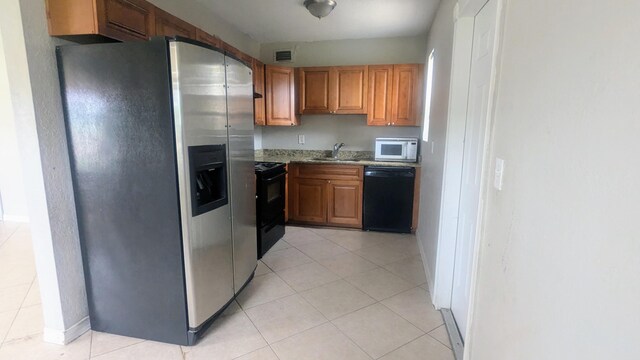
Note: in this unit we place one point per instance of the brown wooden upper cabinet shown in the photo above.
(169, 25)
(116, 19)
(280, 96)
(207, 38)
(237, 53)
(333, 90)
(314, 90)
(395, 95)
(258, 88)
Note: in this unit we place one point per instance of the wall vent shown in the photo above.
(283, 56)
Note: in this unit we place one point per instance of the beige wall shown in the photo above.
(350, 52)
(12, 195)
(322, 131)
(559, 263)
(36, 106)
(441, 41)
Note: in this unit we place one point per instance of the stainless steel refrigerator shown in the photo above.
(160, 138)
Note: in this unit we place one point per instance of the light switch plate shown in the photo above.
(301, 139)
(499, 174)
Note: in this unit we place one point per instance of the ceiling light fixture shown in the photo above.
(320, 8)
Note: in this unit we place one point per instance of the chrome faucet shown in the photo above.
(337, 148)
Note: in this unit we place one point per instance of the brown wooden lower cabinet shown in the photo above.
(309, 200)
(326, 195)
(344, 206)
(286, 194)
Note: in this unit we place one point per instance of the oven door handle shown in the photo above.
(275, 177)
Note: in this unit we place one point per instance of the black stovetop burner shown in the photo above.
(267, 166)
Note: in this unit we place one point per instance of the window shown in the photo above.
(427, 100)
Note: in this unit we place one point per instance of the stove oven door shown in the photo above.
(271, 197)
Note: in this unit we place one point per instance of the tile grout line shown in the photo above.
(257, 329)
(90, 343)
(402, 292)
(349, 337)
(431, 336)
(283, 339)
(296, 292)
(118, 349)
(376, 303)
(10, 235)
(302, 297)
(3, 340)
(408, 342)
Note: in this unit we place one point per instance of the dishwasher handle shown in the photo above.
(389, 172)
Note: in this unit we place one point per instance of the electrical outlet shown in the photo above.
(499, 174)
(301, 139)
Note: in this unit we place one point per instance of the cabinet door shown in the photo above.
(407, 95)
(280, 96)
(380, 91)
(169, 25)
(349, 90)
(315, 90)
(344, 203)
(237, 53)
(125, 19)
(286, 194)
(309, 200)
(206, 38)
(258, 87)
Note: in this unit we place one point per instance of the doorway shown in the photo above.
(473, 163)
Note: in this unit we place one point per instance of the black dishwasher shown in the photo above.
(388, 198)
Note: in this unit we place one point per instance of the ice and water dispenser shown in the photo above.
(208, 173)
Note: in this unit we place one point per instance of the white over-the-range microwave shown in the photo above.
(397, 149)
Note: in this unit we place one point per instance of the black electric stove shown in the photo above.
(270, 201)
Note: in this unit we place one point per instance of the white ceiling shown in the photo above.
(287, 20)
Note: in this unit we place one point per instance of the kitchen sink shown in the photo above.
(332, 159)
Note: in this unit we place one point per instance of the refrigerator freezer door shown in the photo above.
(120, 135)
(242, 170)
(199, 102)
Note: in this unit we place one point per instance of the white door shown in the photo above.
(474, 151)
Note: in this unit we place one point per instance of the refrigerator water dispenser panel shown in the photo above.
(208, 173)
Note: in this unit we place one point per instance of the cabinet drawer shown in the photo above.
(328, 172)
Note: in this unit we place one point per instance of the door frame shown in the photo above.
(464, 20)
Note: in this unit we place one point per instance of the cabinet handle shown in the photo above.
(329, 181)
(393, 123)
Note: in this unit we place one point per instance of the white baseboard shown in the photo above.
(15, 218)
(64, 337)
(426, 266)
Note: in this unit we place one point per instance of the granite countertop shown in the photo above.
(345, 157)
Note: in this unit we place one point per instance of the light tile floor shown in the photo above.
(318, 294)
